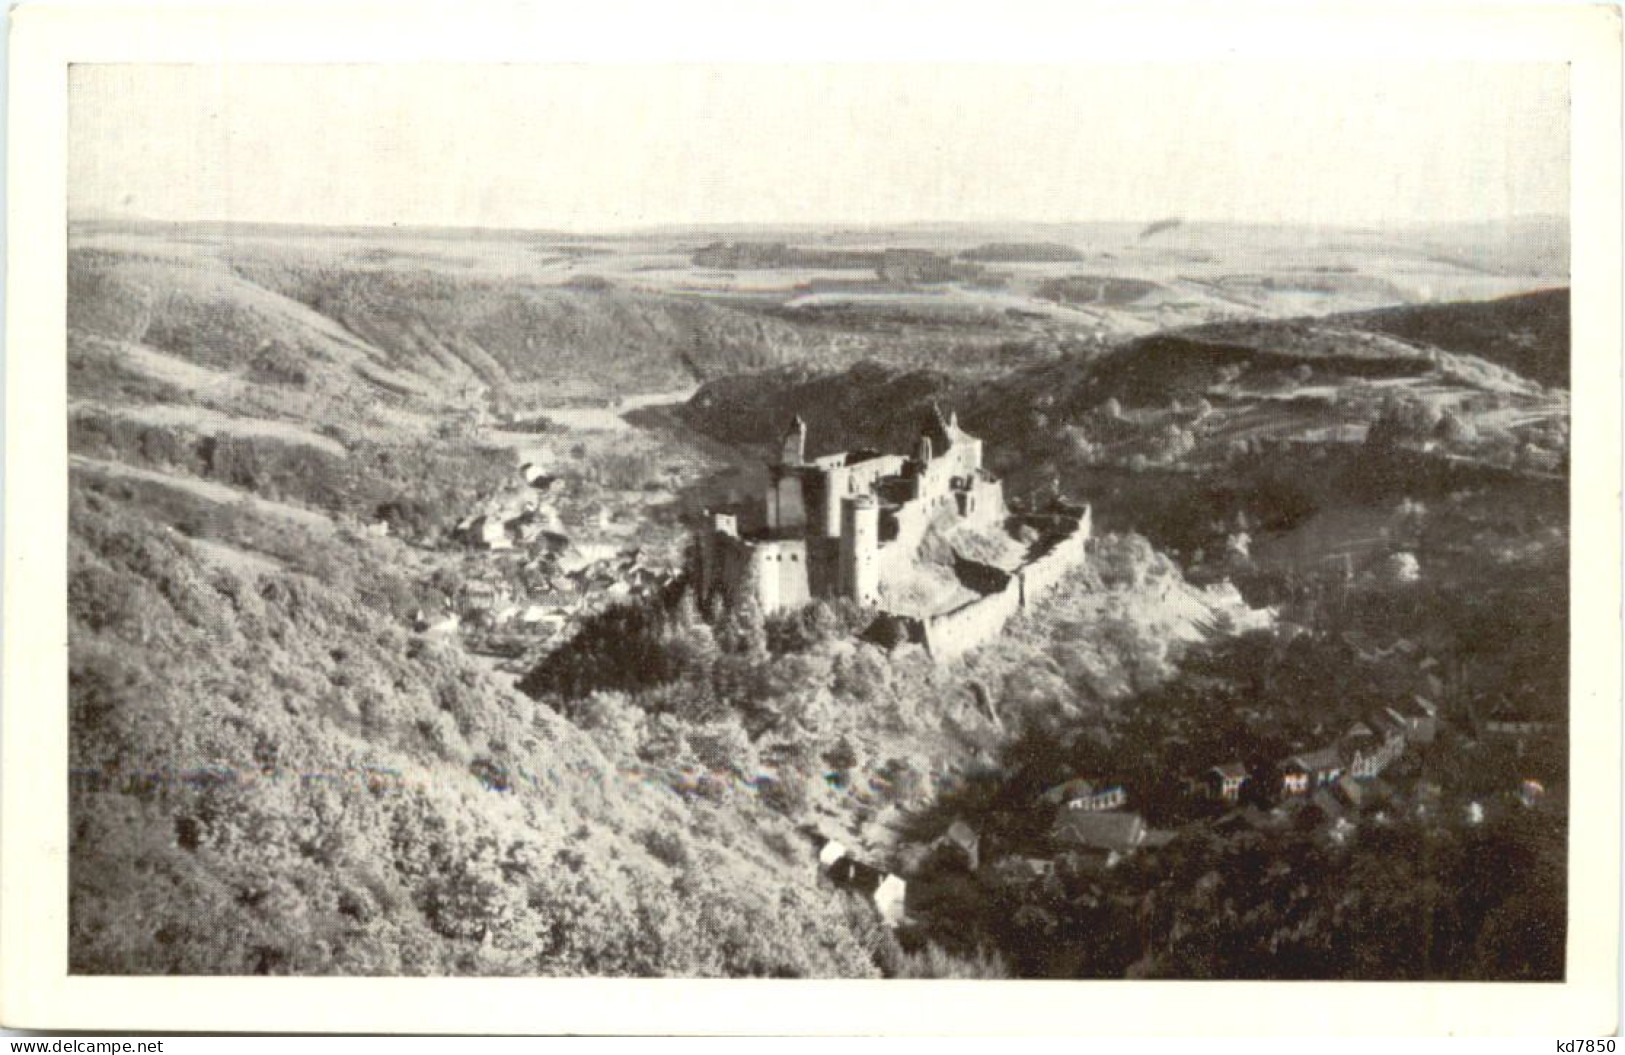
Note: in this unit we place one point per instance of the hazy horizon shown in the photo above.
(812, 226)
(622, 149)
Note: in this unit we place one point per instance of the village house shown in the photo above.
(1082, 794)
(1422, 719)
(429, 623)
(1514, 722)
(960, 844)
(1224, 781)
(1018, 870)
(1377, 749)
(1100, 837)
(1368, 748)
(1321, 767)
(831, 852)
(480, 599)
(1351, 791)
(886, 892)
(1295, 777)
(536, 475)
(1364, 757)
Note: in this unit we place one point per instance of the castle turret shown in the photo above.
(793, 448)
(762, 575)
(922, 449)
(860, 546)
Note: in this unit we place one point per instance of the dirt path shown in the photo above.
(206, 489)
(172, 370)
(202, 419)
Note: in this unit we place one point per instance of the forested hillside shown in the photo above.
(270, 775)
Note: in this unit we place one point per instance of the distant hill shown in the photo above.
(860, 404)
(1021, 252)
(393, 331)
(774, 255)
(1139, 427)
(1528, 333)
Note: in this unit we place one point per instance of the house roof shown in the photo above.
(1031, 867)
(1320, 761)
(1101, 831)
(1071, 789)
(1230, 770)
(961, 834)
(848, 872)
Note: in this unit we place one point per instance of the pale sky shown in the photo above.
(605, 147)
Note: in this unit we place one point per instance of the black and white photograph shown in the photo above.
(1101, 520)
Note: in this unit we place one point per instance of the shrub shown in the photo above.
(276, 364)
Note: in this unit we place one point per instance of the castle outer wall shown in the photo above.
(974, 623)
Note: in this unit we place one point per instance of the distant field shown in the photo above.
(441, 312)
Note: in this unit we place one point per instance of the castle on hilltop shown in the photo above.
(843, 525)
(835, 526)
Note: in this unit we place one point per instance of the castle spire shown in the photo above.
(793, 447)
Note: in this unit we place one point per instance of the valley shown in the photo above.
(401, 522)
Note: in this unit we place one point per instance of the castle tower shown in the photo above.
(786, 502)
(762, 575)
(860, 546)
(922, 449)
(712, 561)
(793, 447)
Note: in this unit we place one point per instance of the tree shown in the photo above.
(1404, 419)
(1402, 568)
(1453, 428)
